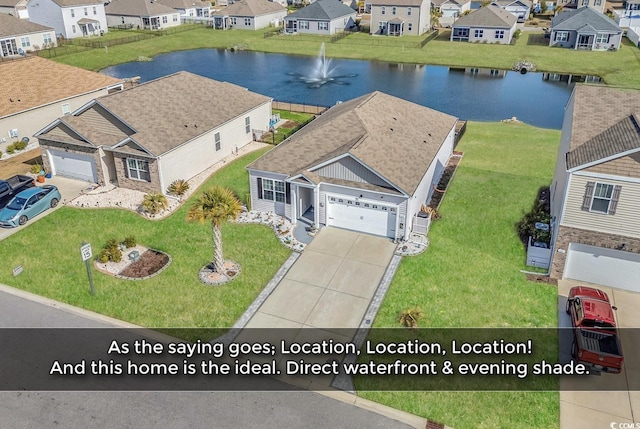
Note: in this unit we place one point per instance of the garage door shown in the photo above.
(602, 266)
(361, 215)
(73, 165)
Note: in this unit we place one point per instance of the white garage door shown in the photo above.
(73, 165)
(603, 266)
(361, 216)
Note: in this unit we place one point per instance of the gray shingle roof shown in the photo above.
(394, 137)
(488, 16)
(137, 8)
(251, 8)
(69, 3)
(505, 3)
(163, 113)
(583, 18)
(184, 4)
(416, 3)
(12, 26)
(322, 10)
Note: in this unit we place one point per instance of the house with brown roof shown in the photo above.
(595, 193)
(147, 14)
(400, 17)
(368, 164)
(17, 8)
(250, 15)
(70, 18)
(34, 91)
(489, 24)
(192, 10)
(138, 140)
(19, 36)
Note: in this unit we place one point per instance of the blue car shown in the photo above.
(28, 204)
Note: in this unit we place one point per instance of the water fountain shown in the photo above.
(322, 72)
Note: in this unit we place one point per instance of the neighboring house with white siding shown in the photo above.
(18, 36)
(450, 10)
(629, 15)
(17, 8)
(597, 5)
(400, 17)
(250, 15)
(595, 193)
(368, 164)
(70, 18)
(519, 8)
(321, 17)
(36, 91)
(192, 10)
(147, 14)
(139, 140)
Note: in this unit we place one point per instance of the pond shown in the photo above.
(473, 94)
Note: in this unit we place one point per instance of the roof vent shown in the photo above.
(391, 129)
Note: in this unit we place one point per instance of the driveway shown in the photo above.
(601, 409)
(69, 189)
(331, 285)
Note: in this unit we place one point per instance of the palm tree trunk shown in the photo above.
(218, 258)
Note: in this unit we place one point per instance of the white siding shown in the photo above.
(115, 20)
(47, 12)
(623, 222)
(199, 154)
(263, 21)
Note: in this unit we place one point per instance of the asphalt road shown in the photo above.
(140, 410)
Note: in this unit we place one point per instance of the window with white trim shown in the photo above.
(95, 11)
(602, 38)
(247, 124)
(25, 41)
(175, 18)
(73, 13)
(86, 12)
(303, 25)
(478, 34)
(217, 140)
(274, 190)
(323, 26)
(383, 10)
(394, 10)
(66, 109)
(561, 36)
(409, 26)
(247, 22)
(233, 21)
(601, 197)
(585, 2)
(73, 28)
(138, 169)
(409, 11)
(47, 39)
(382, 25)
(499, 34)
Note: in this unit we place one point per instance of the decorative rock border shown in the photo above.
(281, 226)
(205, 274)
(416, 244)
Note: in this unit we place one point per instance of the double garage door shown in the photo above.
(73, 165)
(607, 267)
(362, 216)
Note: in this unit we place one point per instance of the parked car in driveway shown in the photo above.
(12, 186)
(28, 204)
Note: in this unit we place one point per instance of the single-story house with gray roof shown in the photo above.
(489, 24)
(139, 140)
(18, 36)
(321, 17)
(147, 14)
(585, 28)
(250, 15)
(196, 10)
(368, 164)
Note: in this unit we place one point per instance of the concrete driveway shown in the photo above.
(69, 189)
(331, 285)
(588, 409)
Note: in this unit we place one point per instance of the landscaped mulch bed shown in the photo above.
(447, 174)
(150, 262)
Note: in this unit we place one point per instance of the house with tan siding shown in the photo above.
(36, 91)
(147, 14)
(250, 15)
(190, 10)
(489, 24)
(400, 17)
(19, 36)
(368, 164)
(595, 193)
(148, 136)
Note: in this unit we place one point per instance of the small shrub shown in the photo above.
(130, 241)
(517, 34)
(154, 203)
(178, 187)
(115, 256)
(111, 251)
(36, 168)
(103, 256)
(11, 149)
(409, 318)
(19, 145)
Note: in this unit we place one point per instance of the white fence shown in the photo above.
(633, 34)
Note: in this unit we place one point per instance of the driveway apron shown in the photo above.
(330, 286)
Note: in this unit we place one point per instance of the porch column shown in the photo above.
(294, 204)
(316, 205)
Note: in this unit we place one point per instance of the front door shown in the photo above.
(584, 41)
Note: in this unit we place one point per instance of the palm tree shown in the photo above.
(218, 205)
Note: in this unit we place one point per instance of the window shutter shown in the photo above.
(613, 205)
(588, 194)
(259, 188)
(126, 167)
(287, 193)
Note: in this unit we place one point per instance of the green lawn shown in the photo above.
(470, 274)
(617, 68)
(49, 252)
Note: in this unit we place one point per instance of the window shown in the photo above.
(499, 34)
(175, 18)
(247, 22)
(323, 26)
(247, 124)
(303, 25)
(562, 36)
(138, 169)
(602, 38)
(165, 19)
(217, 139)
(73, 13)
(409, 11)
(601, 198)
(25, 42)
(382, 25)
(394, 10)
(409, 26)
(73, 28)
(383, 10)
(66, 109)
(86, 11)
(47, 38)
(95, 11)
(585, 2)
(233, 21)
(478, 34)
(273, 190)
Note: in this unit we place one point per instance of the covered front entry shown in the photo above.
(73, 165)
(599, 265)
(361, 215)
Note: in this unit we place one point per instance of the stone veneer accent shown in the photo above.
(93, 152)
(138, 185)
(568, 235)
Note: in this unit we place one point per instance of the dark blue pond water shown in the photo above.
(479, 97)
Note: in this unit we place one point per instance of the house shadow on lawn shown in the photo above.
(537, 40)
